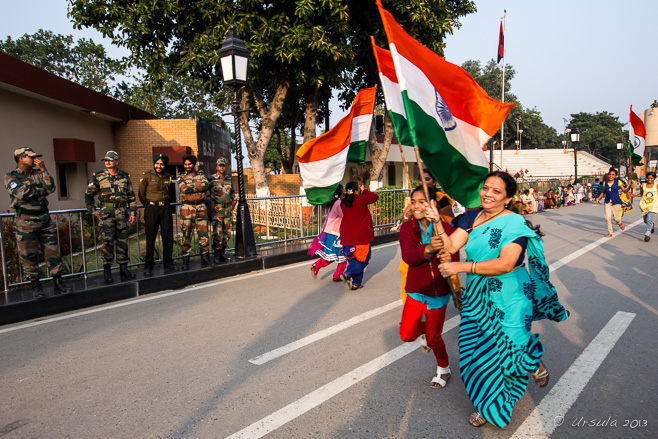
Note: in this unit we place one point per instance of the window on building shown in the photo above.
(391, 173)
(62, 181)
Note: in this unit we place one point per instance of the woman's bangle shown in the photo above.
(441, 233)
(473, 268)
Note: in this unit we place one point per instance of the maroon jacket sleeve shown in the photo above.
(369, 197)
(410, 246)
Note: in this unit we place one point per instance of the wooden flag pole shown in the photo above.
(443, 253)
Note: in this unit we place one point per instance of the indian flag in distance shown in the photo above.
(637, 133)
(322, 160)
(450, 117)
(392, 94)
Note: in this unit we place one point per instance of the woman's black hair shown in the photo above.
(526, 192)
(612, 168)
(651, 173)
(431, 191)
(338, 193)
(510, 191)
(351, 190)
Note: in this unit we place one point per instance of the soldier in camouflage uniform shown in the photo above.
(193, 187)
(118, 209)
(36, 232)
(222, 201)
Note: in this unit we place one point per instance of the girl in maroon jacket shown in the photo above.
(356, 233)
(428, 293)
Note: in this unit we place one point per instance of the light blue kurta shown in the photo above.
(497, 351)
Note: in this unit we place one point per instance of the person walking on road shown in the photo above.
(427, 292)
(612, 203)
(356, 233)
(649, 204)
(222, 202)
(118, 209)
(502, 298)
(332, 250)
(36, 232)
(156, 192)
(193, 186)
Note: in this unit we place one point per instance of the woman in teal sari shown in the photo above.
(501, 300)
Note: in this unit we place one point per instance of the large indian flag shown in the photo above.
(450, 117)
(636, 135)
(392, 94)
(322, 160)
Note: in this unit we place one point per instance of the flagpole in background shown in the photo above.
(501, 55)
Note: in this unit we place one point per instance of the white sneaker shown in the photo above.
(422, 340)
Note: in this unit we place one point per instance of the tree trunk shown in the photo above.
(378, 155)
(269, 117)
(311, 114)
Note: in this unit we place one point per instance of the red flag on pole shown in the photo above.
(501, 43)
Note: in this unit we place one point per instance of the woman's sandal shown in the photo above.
(441, 378)
(541, 375)
(422, 340)
(476, 419)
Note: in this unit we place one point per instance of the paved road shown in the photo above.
(277, 353)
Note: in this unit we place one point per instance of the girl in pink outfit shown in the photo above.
(332, 249)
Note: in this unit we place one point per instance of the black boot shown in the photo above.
(37, 290)
(205, 260)
(107, 273)
(60, 288)
(218, 257)
(186, 263)
(223, 257)
(124, 272)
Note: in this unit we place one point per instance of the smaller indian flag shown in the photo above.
(392, 94)
(322, 160)
(637, 134)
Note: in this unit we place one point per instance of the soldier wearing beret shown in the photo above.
(156, 192)
(222, 202)
(118, 209)
(193, 186)
(36, 232)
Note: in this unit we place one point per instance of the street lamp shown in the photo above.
(620, 146)
(520, 139)
(234, 58)
(564, 142)
(575, 138)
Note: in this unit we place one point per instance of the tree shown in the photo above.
(83, 62)
(284, 38)
(599, 133)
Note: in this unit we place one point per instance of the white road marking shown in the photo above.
(550, 412)
(270, 423)
(283, 350)
(578, 253)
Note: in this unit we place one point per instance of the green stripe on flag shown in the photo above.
(357, 152)
(400, 128)
(458, 177)
(636, 159)
(320, 195)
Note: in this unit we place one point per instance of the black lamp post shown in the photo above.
(575, 138)
(234, 58)
(620, 146)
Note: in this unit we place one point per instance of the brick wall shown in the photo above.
(135, 140)
(279, 184)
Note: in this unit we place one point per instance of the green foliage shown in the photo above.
(83, 62)
(599, 133)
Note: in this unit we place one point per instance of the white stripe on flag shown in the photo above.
(323, 173)
(361, 128)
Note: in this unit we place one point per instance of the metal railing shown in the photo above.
(276, 221)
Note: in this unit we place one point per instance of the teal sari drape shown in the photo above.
(497, 351)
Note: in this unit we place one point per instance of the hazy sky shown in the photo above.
(569, 56)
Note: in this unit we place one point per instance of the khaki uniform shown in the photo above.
(194, 212)
(117, 203)
(222, 200)
(155, 193)
(36, 232)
